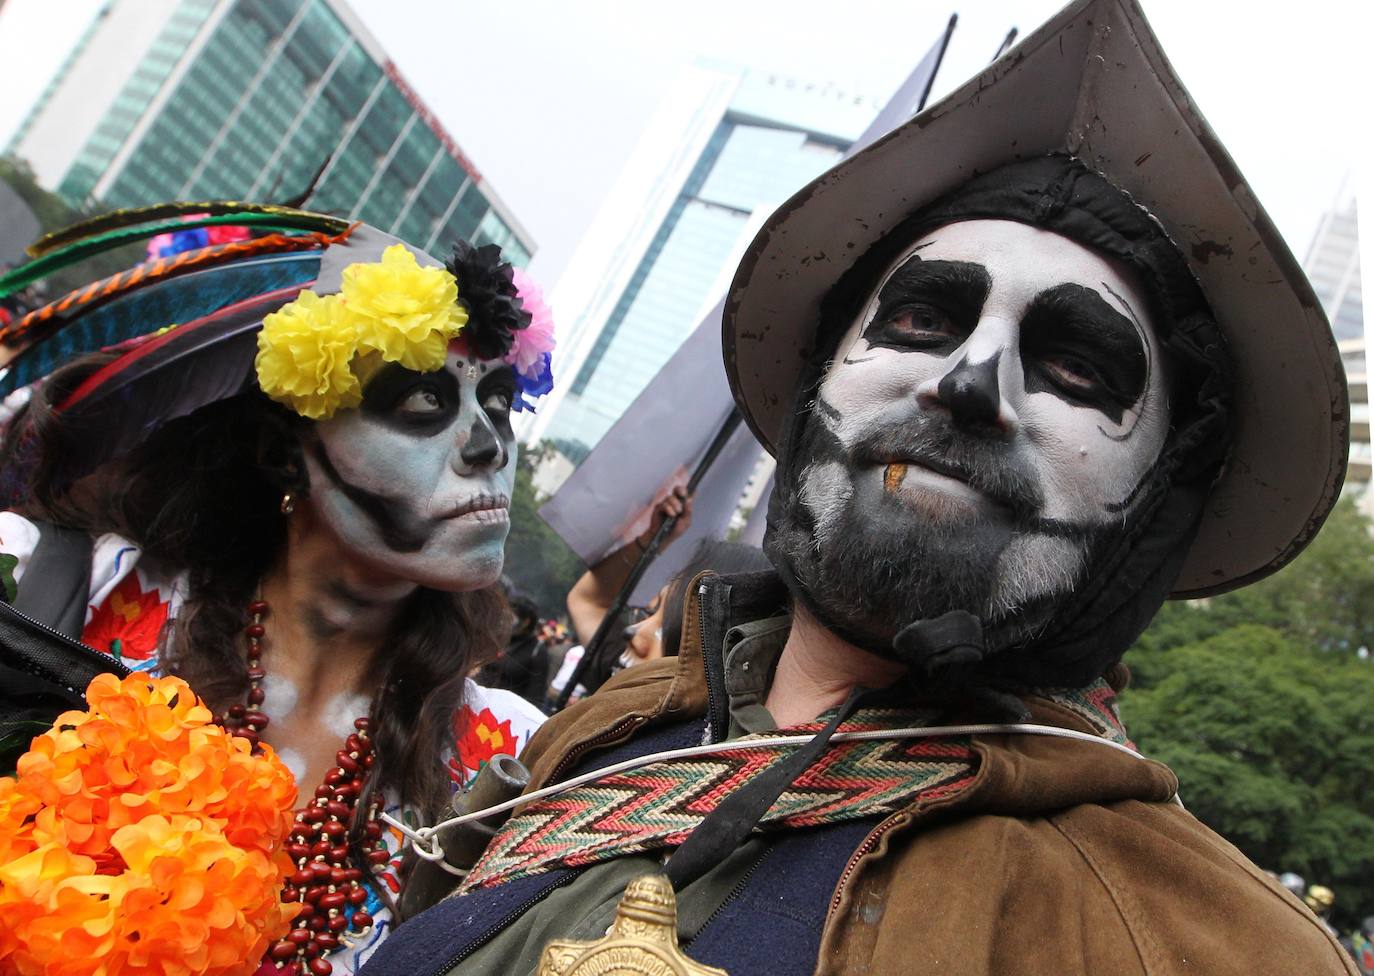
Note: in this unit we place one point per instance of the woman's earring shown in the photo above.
(288, 503)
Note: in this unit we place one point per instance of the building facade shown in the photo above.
(725, 148)
(1333, 265)
(255, 100)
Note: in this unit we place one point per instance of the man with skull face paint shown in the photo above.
(1021, 363)
(986, 424)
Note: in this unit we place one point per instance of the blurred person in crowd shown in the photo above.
(596, 590)
(1321, 900)
(558, 641)
(651, 631)
(523, 666)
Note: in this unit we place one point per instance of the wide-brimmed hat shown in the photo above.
(1094, 83)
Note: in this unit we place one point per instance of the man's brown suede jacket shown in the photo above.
(1063, 857)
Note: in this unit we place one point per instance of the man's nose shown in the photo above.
(973, 390)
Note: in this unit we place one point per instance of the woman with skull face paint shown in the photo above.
(296, 500)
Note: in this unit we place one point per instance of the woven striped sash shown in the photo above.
(658, 805)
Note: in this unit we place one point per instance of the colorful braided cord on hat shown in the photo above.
(161, 304)
(91, 245)
(162, 211)
(43, 321)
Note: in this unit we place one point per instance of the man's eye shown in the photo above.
(1073, 373)
(923, 322)
(421, 401)
(498, 400)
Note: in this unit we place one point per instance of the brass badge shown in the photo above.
(642, 940)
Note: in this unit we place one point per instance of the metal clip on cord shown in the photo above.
(453, 846)
(423, 838)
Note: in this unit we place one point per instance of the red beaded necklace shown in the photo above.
(325, 882)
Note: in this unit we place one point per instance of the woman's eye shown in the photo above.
(421, 401)
(498, 400)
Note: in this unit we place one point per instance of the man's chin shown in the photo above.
(893, 568)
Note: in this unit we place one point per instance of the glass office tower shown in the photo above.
(726, 149)
(255, 100)
(1333, 265)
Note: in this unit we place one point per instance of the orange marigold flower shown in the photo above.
(138, 837)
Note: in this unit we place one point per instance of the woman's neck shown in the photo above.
(328, 613)
(817, 670)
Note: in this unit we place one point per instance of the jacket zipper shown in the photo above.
(735, 892)
(710, 650)
(509, 917)
(92, 656)
(869, 842)
(618, 730)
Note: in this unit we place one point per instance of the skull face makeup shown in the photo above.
(417, 480)
(988, 417)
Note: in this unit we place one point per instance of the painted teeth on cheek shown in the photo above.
(892, 477)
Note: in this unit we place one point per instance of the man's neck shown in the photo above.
(817, 670)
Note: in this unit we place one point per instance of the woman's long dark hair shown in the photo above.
(203, 495)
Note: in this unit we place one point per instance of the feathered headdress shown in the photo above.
(305, 310)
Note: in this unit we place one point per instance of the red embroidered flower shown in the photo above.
(481, 736)
(127, 624)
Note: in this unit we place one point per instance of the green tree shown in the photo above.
(53, 213)
(1262, 701)
(538, 561)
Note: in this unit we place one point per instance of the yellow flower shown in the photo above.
(316, 354)
(305, 355)
(403, 311)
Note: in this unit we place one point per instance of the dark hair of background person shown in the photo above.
(525, 612)
(722, 558)
(203, 494)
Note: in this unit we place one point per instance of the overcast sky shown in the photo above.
(549, 96)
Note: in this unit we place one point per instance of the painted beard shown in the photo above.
(917, 519)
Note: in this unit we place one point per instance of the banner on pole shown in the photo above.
(658, 441)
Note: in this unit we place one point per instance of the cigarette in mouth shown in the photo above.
(893, 475)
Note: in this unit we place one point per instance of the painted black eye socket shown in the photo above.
(929, 305)
(1076, 345)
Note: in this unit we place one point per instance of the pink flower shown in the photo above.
(531, 343)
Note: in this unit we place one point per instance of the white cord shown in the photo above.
(423, 838)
